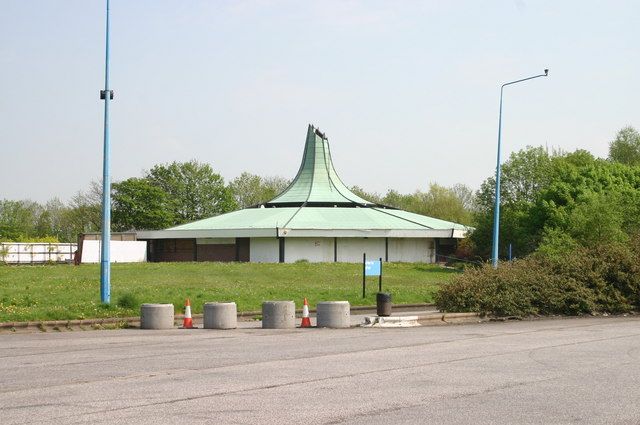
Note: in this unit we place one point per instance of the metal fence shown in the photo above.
(37, 252)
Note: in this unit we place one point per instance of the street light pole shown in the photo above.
(105, 257)
(496, 209)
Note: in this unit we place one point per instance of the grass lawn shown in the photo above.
(61, 292)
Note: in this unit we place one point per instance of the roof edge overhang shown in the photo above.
(322, 205)
(373, 233)
(206, 233)
(302, 233)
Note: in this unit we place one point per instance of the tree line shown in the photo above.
(550, 201)
(558, 201)
(180, 192)
(166, 195)
(573, 221)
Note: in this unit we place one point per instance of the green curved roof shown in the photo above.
(317, 182)
(316, 204)
(320, 218)
(314, 221)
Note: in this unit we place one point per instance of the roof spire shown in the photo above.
(317, 183)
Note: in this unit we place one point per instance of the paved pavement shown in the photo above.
(544, 372)
(357, 318)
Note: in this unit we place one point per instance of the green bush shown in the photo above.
(601, 279)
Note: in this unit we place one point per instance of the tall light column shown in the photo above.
(496, 209)
(105, 257)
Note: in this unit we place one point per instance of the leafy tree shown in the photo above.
(250, 189)
(576, 178)
(521, 178)
(625, 149)
(273, 186)
(51, 222)
(439, 202)
(137, 204)
(556, 243)
(588, 199)
(194, 189)
(444, 203)
(84, 212)
(597, 219)
(25, 221)
(247, 189)
(465, 195)
(393, 198)
(369, 196)
(17, 219)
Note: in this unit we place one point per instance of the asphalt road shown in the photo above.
(543, 372)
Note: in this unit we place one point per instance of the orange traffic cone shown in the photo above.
(187, 323)
(306, 322)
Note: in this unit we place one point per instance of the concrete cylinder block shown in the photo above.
(333, 314)
(156, 316)
(278, 315)
(220, 316)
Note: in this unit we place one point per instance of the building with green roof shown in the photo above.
(316, 218)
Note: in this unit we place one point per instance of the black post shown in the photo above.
(281, 250)
(380, 277)
(195, 249)
(386, 249)
(364, 265)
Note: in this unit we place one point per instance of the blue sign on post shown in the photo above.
(372, 268)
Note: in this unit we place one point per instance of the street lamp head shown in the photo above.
(546, 72)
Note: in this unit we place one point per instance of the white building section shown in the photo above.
(121, 251)
(314, 250)
(350, 250)
(264, 250)
(412, 250)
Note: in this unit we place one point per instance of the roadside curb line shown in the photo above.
(178, 318)
(448, 317)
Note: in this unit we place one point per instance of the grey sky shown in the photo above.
(407, 92)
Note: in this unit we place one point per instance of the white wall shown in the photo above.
(37, 252)
(315, 250)
(264, 250)
(411, 250)
(350, 250)
(120, 251)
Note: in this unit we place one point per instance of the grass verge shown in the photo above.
(64, 292)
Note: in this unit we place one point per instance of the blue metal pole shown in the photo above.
(496, 208)
(105, 257)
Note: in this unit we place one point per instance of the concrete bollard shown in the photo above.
(333, 314)
(156, 316)
(220, 316)
(278, 315)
